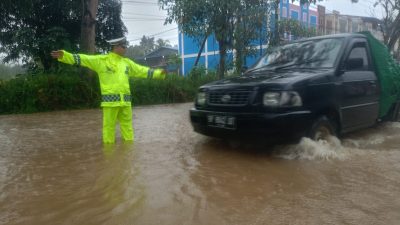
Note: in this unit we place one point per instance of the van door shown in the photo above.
(360, 89)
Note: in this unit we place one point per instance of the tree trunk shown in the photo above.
(88, 26)
(45, 61)
(240, 23)
(393, 40)
(239, 60)
(222, 56)
(276, 28)
(201, 50)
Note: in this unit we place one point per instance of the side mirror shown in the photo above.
(354, 64)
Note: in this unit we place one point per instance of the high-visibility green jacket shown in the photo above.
(114, 72)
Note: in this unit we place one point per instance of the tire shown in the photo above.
(322, 129)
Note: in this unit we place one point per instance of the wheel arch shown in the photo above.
(333, 114)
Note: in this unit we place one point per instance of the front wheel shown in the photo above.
(322, 129)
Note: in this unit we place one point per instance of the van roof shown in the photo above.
(343, 35)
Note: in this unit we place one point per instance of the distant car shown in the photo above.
(315, 88)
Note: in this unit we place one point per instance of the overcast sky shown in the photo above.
(144, 17)
(362, 8)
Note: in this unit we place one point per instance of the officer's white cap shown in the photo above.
(118, 41)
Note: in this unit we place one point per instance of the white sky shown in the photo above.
(144, 17)
(362, 8)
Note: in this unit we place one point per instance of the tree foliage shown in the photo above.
(162, 43)
(294, 28)
(198, 19)
(249, 28)
(30, 29)
(109, 23)
(146, 46)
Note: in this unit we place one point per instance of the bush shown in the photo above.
(174, 89)
(27, 94)
(69, 90)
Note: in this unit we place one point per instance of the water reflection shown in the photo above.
(117, 183)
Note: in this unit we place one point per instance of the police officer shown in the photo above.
(114, 71)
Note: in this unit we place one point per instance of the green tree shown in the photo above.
(295, 28)
(276, 38)
(201, 18)
(147, 44)
(135, 52)
(109, 23)
(30, 29)
(162, 43)
(198, 19)
(248, 28)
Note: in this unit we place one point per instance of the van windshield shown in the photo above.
(317, 53)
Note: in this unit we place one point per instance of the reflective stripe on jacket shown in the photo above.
(114, 72)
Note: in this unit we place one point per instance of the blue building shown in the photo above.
(189, 48)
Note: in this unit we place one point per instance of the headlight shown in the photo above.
(271, 98)
(201, 98)
(284, 98)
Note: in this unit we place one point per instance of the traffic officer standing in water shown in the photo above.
(114, 71)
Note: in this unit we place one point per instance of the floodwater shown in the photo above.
(54, 170)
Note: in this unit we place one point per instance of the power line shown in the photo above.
(156, 34)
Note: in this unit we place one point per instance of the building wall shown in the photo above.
(336, 23)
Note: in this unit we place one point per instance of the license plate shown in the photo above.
(228, 122)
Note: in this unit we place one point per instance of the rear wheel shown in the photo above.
(322, 129)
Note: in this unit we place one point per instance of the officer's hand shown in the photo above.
(57, 54)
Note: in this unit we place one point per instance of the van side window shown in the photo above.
(358, 59)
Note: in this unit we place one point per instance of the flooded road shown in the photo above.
(55, 170)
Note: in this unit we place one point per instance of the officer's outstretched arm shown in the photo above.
(145, 72)
(90, 61)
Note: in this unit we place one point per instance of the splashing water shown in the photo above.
(380, 137)
(308, 149)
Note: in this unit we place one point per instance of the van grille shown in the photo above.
(232, 98)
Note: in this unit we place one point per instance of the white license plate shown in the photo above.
(228, 122)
